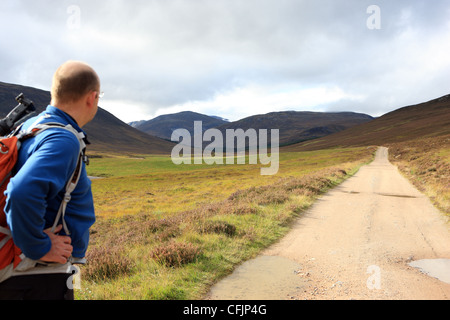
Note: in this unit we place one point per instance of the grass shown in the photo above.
(426, 163)
(168, 232)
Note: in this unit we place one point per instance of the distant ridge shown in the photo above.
(294, 126)
(164, 125)
(299, 131)
(106, 132)
(428, 119)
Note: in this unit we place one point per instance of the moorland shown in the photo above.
(167, 231)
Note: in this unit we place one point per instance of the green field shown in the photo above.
(169, 232)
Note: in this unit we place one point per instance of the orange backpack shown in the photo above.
(9, 148)
(9, 253)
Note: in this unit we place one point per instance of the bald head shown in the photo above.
(75, 90)
(72, 81)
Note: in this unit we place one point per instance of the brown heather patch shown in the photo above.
(175, 254)
(219, 227)
(105, 263)
(426, 163)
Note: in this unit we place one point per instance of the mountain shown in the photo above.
(428, 119)
(135, 124)
(220, 118)
(164, 125)
(105, 132)
(296, 126)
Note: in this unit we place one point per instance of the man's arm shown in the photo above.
(42, 177)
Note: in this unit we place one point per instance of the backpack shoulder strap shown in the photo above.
(37, 129)
(73, 181)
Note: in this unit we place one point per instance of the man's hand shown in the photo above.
(61, 248)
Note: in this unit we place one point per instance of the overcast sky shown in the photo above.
(235, 58)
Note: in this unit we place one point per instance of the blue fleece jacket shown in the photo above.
(45, 164)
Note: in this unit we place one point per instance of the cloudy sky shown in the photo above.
(235, 58)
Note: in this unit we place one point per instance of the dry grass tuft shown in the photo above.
(107, 262)
(175, 254)
(218, 227)
(426, 163)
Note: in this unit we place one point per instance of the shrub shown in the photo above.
(175, 254)
(244, 209)
(170, 232)
(106, 263)
(275, 196)
(219, 227)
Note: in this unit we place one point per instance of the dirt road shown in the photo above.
(357, 242)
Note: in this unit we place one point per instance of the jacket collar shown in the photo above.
(52, 110)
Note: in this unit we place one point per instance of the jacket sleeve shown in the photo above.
(41, 179)
(80, 215)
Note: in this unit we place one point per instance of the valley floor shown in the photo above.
(356, 242)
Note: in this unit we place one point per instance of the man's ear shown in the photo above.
(90, 98)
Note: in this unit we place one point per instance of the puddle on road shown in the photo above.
(436, 268)
(263, 278)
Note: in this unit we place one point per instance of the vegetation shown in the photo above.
(170, 232)
(426, 163)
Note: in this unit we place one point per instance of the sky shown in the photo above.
(235, 58)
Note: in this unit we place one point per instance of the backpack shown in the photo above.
(10, 255)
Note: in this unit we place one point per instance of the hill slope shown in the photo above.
(105, 132)
(296, 126)
(164, 125)
(426, 119)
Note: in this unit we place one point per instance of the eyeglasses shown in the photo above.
(101, 94)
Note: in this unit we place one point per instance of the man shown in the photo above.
(45, 164)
